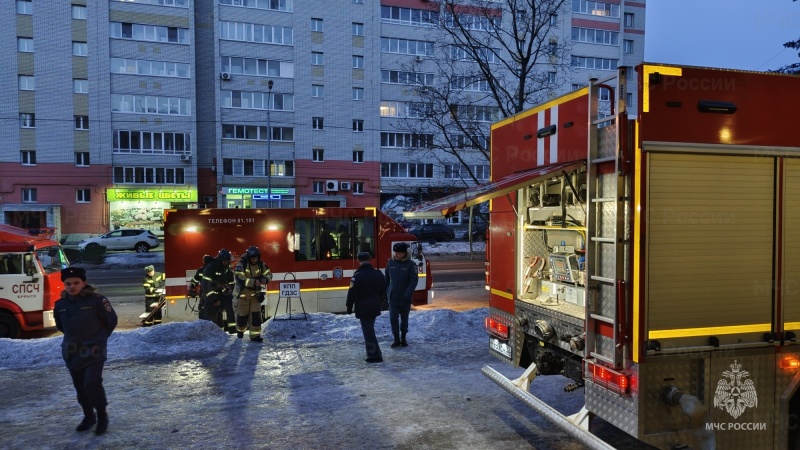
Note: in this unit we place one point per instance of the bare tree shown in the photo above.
(793, 68)
(492, 59)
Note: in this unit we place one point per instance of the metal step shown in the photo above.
(602, 318)
(602, 279)
(603, 240)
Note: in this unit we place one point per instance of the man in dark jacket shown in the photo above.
(87, 319)
(401, 279)
(366, 294)
(217, 285)
(152, 284)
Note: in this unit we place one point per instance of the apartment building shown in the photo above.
(119, 109)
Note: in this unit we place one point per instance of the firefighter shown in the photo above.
(366, 294)
(251, 274)
(401, 279)
(87, 319)
(195, 287)
(153, 281)
(217, 284)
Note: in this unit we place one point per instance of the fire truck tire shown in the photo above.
(9, 328)
(142, 247)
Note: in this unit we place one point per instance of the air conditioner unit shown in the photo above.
(226, 76)
(331, 185)
(418, 58)
(344, 185)
(186, 157)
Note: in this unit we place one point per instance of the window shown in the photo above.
(29, 195)
(595, 8)
(408, 16)
(27, 83)
(358, 156)
(275, 5)
(406, 140)
(406, 170)
(629, 98)
(551, 77)
(148, 175)
(317, 58)
(152, 33)
(358, 62)
(317, 90)
(594, 63)
(24, 7)
(79, 12)
(316, 25)
(358, 93)
(28, 157)
(248, 32)
(358, 29)
(27, 120)
(409, 78)
(82, 159)
(627, 46)
(554, 20)
(319, 187)
(152, 142)
(25, 45)
(81, 122)
(358, 187)
(358, 125)
(83, 195)
(318, 155)
(141, 104)
(594, 36)
(157, 68)
(628, 19)
(256, 132)
(257, 100)
(80, 86)
(317, 123)
(79, 48)
(406, 46)
(358, 2)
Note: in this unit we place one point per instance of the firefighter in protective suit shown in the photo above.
(251, 274)
(196, 289)
(217, 284)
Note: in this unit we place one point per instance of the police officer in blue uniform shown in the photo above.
(366, 294)
(401, 279)
(87, 319)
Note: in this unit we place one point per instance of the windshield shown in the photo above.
(52, 259)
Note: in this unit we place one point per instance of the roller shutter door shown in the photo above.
(692, 293)
(791, 242)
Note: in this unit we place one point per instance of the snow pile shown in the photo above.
(202, 338)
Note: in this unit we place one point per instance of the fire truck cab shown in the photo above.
(647, 256)
(315, 247)
(30, 279)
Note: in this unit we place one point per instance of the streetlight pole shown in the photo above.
(269, 146)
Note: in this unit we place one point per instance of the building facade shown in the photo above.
(118, 110)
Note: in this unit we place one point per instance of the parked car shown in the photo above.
(433, 232)
(139, 240)
(478, 233)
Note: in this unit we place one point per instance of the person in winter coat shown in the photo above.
(401, 279)
(87, 319)
(153, 281)
(251, 274)
(217, 284)
(365, 296)
(195, 288)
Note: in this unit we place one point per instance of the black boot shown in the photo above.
(102, 421)
(403, 342)
(88, 420)
(396, 342)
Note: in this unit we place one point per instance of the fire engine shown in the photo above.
(648, 256)
(315, 247)
(30, 279)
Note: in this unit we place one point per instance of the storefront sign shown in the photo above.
(256, 191)
(163, 195)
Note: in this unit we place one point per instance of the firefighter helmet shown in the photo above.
(207, 259)
(224, 255)
(253, 251)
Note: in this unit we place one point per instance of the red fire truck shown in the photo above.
(30, 279)
(649, 257)
(316, 247)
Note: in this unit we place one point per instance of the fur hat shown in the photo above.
(363, 256)
(73, 272)
(401, 247)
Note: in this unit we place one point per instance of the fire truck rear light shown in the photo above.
(496, 328)
(612, 380)
(790, 363)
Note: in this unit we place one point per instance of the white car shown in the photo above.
(139, 240)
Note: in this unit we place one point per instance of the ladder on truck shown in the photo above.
(608, 234)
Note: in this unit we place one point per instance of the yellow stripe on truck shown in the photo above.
(502, 294)
(709, 331)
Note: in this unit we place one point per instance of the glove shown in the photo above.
(261, 297)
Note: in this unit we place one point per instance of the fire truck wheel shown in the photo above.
(8, 327)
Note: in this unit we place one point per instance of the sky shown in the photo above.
(736, 34)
